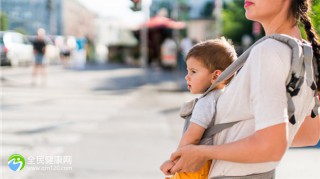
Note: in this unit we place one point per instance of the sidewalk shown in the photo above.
(118, 123)
(300, 163)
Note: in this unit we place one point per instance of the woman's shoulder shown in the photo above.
(272, 45)
(271, 49)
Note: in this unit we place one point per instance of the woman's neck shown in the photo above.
(282, 26)
(288, 29)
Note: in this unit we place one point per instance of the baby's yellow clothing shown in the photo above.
(201, 174)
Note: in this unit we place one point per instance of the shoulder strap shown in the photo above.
(311, 73)
(186, 108)
(301, 64)
(235, 66)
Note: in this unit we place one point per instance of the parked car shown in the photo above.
(3, 53)
(17, 49)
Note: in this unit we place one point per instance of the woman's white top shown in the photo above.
(257, 95)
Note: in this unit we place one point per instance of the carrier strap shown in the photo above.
(315, 110)
(234, 67)
(207, 135)
(301, 64)
(310, 73)
(308, 54)
(267, 175)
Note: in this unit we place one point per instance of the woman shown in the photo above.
(258, 96)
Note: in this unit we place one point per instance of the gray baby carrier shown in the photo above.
(302, 66)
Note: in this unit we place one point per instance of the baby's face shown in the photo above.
(199, 78)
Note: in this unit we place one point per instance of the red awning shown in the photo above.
(160, 21)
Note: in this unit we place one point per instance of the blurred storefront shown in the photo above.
(77, 20)
(161, 32)
(175, 20)
(116, 41)
(198, 15)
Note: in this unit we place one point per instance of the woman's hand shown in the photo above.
(166, 166)
(191, 159)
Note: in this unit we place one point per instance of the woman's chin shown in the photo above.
(249, 16)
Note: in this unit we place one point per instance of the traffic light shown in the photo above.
(136, 5)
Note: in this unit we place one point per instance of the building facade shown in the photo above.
(184, 9)
(29, 15)
(77, 20)
(57, 17)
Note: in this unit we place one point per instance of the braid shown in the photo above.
(303, 9)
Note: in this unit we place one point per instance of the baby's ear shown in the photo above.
(215, 75)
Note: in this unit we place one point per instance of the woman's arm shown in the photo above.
(308, 134)
(265, 145)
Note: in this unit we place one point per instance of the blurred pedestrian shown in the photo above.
(169, 52)
(205, 62)
(61, 43)
(39, 48)
(90, 50)
(257, 95)
(80, 53)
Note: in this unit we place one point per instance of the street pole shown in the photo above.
(52, 21)
(217, 14)
(175, 16)
(145, 7)
(175, 36)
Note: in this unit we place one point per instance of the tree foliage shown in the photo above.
(4, 22)
(315, 16)
(206, 10)
(235, 24)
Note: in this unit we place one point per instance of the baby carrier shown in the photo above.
(301, 64)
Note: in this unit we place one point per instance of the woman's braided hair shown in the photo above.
(300, 9)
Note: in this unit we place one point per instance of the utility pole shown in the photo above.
(217, 14)
(145, 6)
(52, 23)
(175, 16)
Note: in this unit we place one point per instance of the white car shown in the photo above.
(18, 49)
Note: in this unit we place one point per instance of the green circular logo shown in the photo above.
(16, 162)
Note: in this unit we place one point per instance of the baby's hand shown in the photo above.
(166, 166)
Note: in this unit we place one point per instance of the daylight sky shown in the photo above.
(113, 8)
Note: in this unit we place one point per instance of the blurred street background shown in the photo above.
(107, 103)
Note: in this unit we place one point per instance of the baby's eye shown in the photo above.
(191, 72)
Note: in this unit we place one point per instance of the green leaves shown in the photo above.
(4, 23)
(315, 15)
(235, 24)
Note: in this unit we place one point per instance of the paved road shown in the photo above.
(114, 121)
